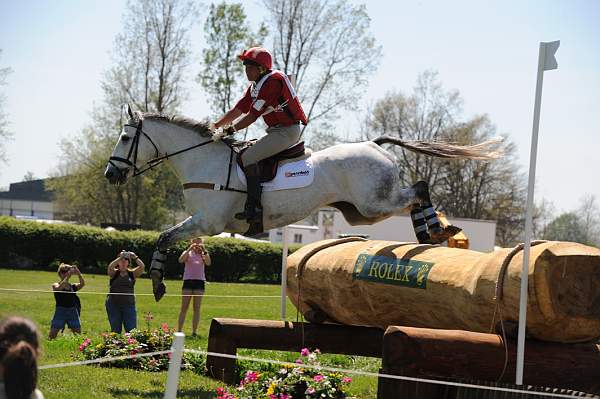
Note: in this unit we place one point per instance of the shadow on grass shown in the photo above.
(182, 393)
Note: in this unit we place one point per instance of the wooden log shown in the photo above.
(383, 283)
(227, 335)
(429, 353)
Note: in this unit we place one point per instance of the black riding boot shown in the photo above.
(253, 208)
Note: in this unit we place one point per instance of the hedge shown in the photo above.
(42, 246)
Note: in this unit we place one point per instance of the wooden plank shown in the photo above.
(430, 353)
(227, 335)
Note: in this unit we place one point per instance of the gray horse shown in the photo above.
(359, 179)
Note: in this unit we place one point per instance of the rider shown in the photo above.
(272, 96)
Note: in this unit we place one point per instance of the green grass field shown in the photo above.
(95, 382)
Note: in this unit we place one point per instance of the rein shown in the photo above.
(157, 160)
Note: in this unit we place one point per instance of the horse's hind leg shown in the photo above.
(437, 233)
(419, 224)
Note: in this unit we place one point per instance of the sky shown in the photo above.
(59, 50)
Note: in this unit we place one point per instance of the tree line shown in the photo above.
(328, 47)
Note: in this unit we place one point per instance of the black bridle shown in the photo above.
(151, 163)
(158, 159)
(133, 150)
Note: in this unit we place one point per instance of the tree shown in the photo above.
(590, 221)
(328, 47)
(29, 176)
(227, 33)
(5, 134)
(150, 59)
(460, 188)
(566, 227)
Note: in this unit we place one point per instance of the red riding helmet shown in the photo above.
(258, 55)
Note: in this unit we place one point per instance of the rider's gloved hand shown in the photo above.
(218, 135)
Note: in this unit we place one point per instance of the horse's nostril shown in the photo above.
(108, 174)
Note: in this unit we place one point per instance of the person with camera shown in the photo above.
(68, 306)
(195, 258)
(120, 302)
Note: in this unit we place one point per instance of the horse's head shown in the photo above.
(133, 148)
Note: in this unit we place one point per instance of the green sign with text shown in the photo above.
(381, 269)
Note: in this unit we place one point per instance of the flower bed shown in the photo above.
(290, 382)
(138, 341)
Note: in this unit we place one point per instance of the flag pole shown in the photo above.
(546, 62)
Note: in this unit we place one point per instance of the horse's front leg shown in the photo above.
(193, 226)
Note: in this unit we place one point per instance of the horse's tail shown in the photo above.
(441, 149)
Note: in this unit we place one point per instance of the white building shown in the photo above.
(27, 199)
(330, 223)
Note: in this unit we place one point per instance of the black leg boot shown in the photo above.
(253, 209)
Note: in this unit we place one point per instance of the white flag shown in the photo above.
(550, 50)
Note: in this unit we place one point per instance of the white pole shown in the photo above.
(543, 64)
(174, 366)
(284, 254)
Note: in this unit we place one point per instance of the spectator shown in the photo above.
(120, 303)
(19, 350)
(195, 258)
(68, 306)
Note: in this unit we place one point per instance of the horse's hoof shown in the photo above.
(159, 291)
(438, 237)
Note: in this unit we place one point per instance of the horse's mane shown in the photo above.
(181, 121)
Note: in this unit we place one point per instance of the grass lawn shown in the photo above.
(95, 382)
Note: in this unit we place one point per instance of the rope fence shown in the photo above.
(137, 294)
(177, 350)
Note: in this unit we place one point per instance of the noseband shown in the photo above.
(133, 151)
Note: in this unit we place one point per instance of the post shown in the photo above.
(284, 254)
(174, 366)
(546, 61)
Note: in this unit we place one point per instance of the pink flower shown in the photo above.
(310, 391)
(304, 352)
(220, 391)
(299, 361)
(251, 376)
(272, 396)
(317, 351)
(81, 347)
(131, 341)
(284, 396)
(318, 378)
(346, 380)
(165, 327)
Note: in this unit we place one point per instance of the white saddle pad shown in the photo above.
(295, 174)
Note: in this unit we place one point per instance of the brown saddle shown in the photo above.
(268, 166)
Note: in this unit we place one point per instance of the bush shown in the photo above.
(37, 245)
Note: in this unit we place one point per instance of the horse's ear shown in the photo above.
(129, 112)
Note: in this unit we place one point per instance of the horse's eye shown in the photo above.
(125, 139)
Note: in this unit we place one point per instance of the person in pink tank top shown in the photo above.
(195, 259)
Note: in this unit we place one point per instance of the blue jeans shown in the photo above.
(121, 315)
(68, 316)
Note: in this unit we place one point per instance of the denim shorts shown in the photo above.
(68, 316)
